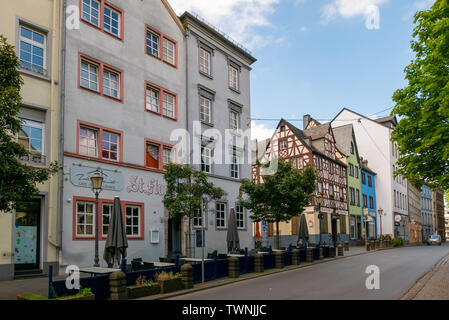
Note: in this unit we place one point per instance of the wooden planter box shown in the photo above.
(171, 285)
(77, 298)
(136, 292)
(30, 296)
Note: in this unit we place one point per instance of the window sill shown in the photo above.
(207, 123)
(206, 75)
(235, 90)
(35, 75)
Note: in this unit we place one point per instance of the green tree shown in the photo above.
(423, 106)
(282, 196)
(17, 180)
(187, 190)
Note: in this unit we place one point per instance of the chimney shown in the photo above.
(305, 121)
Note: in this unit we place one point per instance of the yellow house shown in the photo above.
(29, 236)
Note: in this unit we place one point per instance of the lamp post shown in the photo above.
(381, 213)
(202, 242)
(97, 181)
(336, 216)
(319, 201)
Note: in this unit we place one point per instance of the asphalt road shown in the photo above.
(342, 279)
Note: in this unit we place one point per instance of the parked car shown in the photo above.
(434, 239)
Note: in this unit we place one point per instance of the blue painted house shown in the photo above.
(369, 216)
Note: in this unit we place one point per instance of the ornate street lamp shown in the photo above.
(97, 182)
(319, 201)
(381, 213)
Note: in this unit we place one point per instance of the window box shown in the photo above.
(135, 292)
(171, 285)
(78, 298)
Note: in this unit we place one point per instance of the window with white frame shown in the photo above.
(111, 84)
(112, 22)
(168, 105)
(283, 144)
(235, 172)
(198, 218)
(152, 43)
(91, 12)
(298, 163)
(234, 120)
(168, 51)
(167, 156)
(110, 146)
(88, 142)
(89, 75)
(152, 99)
(84, 219)
(352, 227)
(132, 218)
(32, 52)
(220, 215)
(233, 78)
(320, 187)
(205, 61)
(106, 218)
(31, 136)
(206, 159)
(205, 109)
(240, 216)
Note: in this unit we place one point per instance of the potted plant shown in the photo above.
(83, 294)
(169, 282)
(143, 288)
(388, 240)
(331, 196)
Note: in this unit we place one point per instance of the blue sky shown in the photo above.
(317, 56)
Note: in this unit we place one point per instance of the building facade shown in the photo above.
(414, 208)
(218, 121)
(427, 212)
(370, 216)
(438, 207)
(349, 154)
(29, 237)
(446, 219)
(313, 146)
(373, 140)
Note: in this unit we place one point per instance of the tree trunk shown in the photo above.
(189, 253)
(278, 237)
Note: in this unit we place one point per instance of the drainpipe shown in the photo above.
(187, 34)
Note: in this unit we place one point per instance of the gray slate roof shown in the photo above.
(343, 138)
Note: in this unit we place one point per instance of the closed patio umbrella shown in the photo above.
(116, 243)
(232, 236)
(303, 234)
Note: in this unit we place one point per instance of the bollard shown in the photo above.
(373, 245)
(368, 246)
(346, 245)
(295, 257)
(187, 275)
(376, 243)
(258, 263)
(340, 250)
(233, 267)
(321, 253)
(278, 260)
(331, 252)
(117, 285)
(309, 255)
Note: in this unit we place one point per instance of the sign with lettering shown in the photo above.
(80, 176)
(148, 187)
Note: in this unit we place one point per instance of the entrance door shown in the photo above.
(27, 236)
(334, 231)
(174, 236)
(359, 228)
(368, 231)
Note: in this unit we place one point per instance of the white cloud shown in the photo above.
(260, 131)
(420, 5)
(349, 8)
(237, 18)
(303, 29)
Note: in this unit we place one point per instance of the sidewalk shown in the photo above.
(434, 285)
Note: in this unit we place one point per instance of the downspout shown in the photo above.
(187, 34)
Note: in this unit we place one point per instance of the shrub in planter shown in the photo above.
(397, 242)
(143, 288)
(83, 294)
(30, 296)
(169, 282)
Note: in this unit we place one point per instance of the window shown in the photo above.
(205, 109)
(365, 201)
(110, 146)
(89, 75)
(198, 218)
(132, 221)
(168, 109)
(152, 99)
(235, 167)
(91, 12)
(158, 154)
(152, 44)
(352, 196)
(370, 181)
(351, 169)
(85, 219)
(343, 224)
(320, 187)
(88, 142)
(283, 144)
(358, 198)
(167, 156)
(331, 191)
(356, 172)
(112, 21)
(153, 155)
(110, 85)
(320, 163)
(94, 11)
(331, 168)
(298, 163)
(352, 227)
(352, 147)
(31, 137)
(341, 194)
(233, 78)
(233, 120)
(32, 52)
(363, 178)
(220, 215)
(106, 218)
(205, 61)
(206, 155)
(169, 51)
(371, 203)
(240, 216)
(282, 128)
